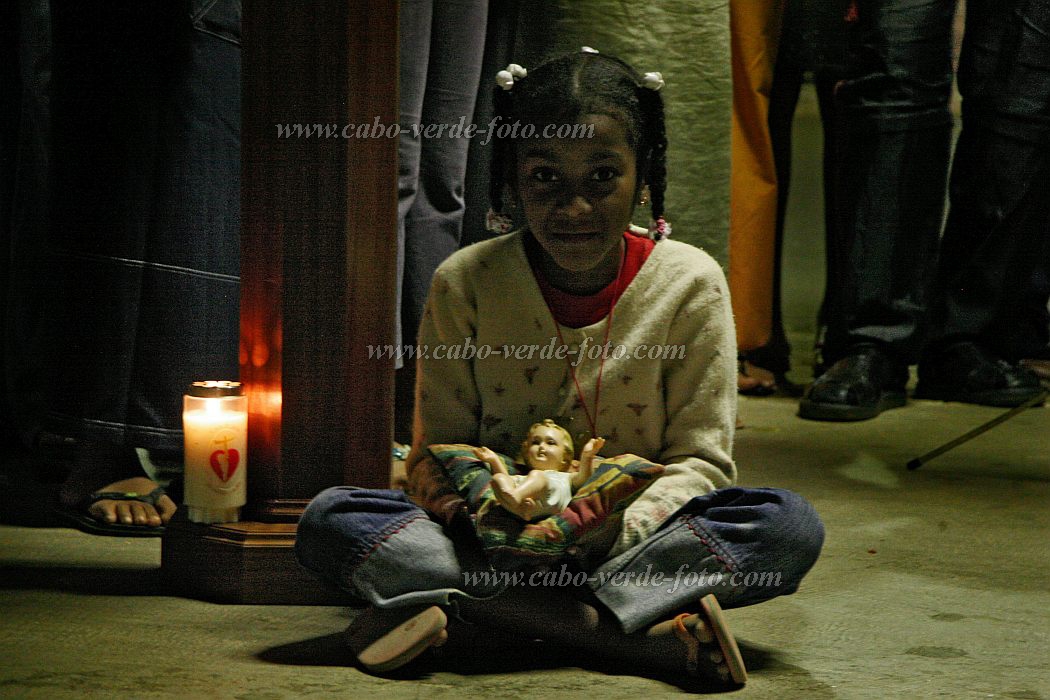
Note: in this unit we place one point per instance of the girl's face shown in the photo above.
(545, 449)
(578, 195)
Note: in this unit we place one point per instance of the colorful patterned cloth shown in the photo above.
(584, 532)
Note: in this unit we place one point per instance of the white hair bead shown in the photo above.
(505, 78)
(653, 80)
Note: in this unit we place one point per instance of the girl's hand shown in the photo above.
(430, 489)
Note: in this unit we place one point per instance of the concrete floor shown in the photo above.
(932, 583)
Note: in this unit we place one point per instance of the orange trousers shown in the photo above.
(755, 33)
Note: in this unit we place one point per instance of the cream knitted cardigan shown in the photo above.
(488, 368)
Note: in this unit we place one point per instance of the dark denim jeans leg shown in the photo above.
(745, 545)
(888, 175)
(994, 272)
(137, 222)
(384, 549)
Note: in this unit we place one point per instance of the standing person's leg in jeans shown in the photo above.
(993, 282)
(893, 134)
(442, 44)
(392, 555)
(143, 253)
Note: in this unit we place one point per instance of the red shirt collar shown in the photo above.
(576, 311)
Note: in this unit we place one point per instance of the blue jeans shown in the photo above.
(887, 165)
(993, 277)
(132, 207)
(442, 44)
(744, 545)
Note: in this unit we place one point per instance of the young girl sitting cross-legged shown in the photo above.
(588, 146)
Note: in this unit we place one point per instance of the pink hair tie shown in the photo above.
(659, 229)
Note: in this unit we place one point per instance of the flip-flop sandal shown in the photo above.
(715, 620)
(404, 641)
(79, 516)
(756, 390)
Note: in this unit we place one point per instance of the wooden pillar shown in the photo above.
(319, 253)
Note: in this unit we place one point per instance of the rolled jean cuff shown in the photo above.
(653, 579)
(379, 546)
(418, 564)
(744, 545)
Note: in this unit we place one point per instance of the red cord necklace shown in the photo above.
(592, 418)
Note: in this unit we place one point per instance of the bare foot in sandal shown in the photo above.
(108, 493)
(752, 380)
(131, 510)
(699, 644)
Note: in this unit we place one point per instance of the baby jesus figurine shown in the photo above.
(552, 478)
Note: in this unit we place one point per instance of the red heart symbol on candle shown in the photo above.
(232, 459)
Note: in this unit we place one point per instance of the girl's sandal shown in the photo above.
(714, 621)
(389, 639)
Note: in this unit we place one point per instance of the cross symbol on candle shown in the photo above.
(231, 456)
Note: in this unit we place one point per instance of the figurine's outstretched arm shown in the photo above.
(491, 459)
(586, 466)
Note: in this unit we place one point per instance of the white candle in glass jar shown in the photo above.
(215, 424)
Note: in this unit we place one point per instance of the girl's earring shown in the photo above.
(502, 221)
(497, 222)
(645, 196)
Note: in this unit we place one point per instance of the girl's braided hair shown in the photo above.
(562, 91)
